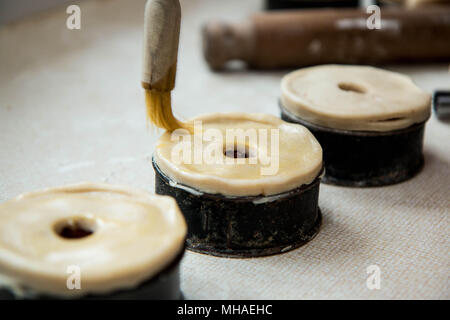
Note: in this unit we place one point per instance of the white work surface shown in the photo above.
(71, 110)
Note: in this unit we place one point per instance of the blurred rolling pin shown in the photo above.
(290, 4)
(415, 3)
(306, 37)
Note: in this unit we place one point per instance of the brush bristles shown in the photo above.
(159, 110)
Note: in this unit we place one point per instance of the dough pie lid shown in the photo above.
(355, 98)
(134, 236)
(299, 156)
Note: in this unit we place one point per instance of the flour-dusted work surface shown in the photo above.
(72, 109)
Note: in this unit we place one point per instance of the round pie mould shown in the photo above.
(366, 158)
(245, 226)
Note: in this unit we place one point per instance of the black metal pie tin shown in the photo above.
(365, 158)
(246, 226)
(164, 286)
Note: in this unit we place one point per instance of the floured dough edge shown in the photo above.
(233, 188)
(25, 282)
(302, 109)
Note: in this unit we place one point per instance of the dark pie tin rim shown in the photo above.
(165, 285)
(361, 133)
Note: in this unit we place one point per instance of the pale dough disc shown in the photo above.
(136, 235)
(358, 98)
(297, 160)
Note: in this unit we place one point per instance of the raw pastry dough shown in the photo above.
(300, 158)
(357, 98)
(135, 236)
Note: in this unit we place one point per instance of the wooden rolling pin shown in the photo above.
(414, 3)
(291, 4)
(307, 37)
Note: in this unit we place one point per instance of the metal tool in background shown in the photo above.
(441, 104)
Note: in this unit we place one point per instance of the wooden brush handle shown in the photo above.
(308, 37)
(161, 38)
